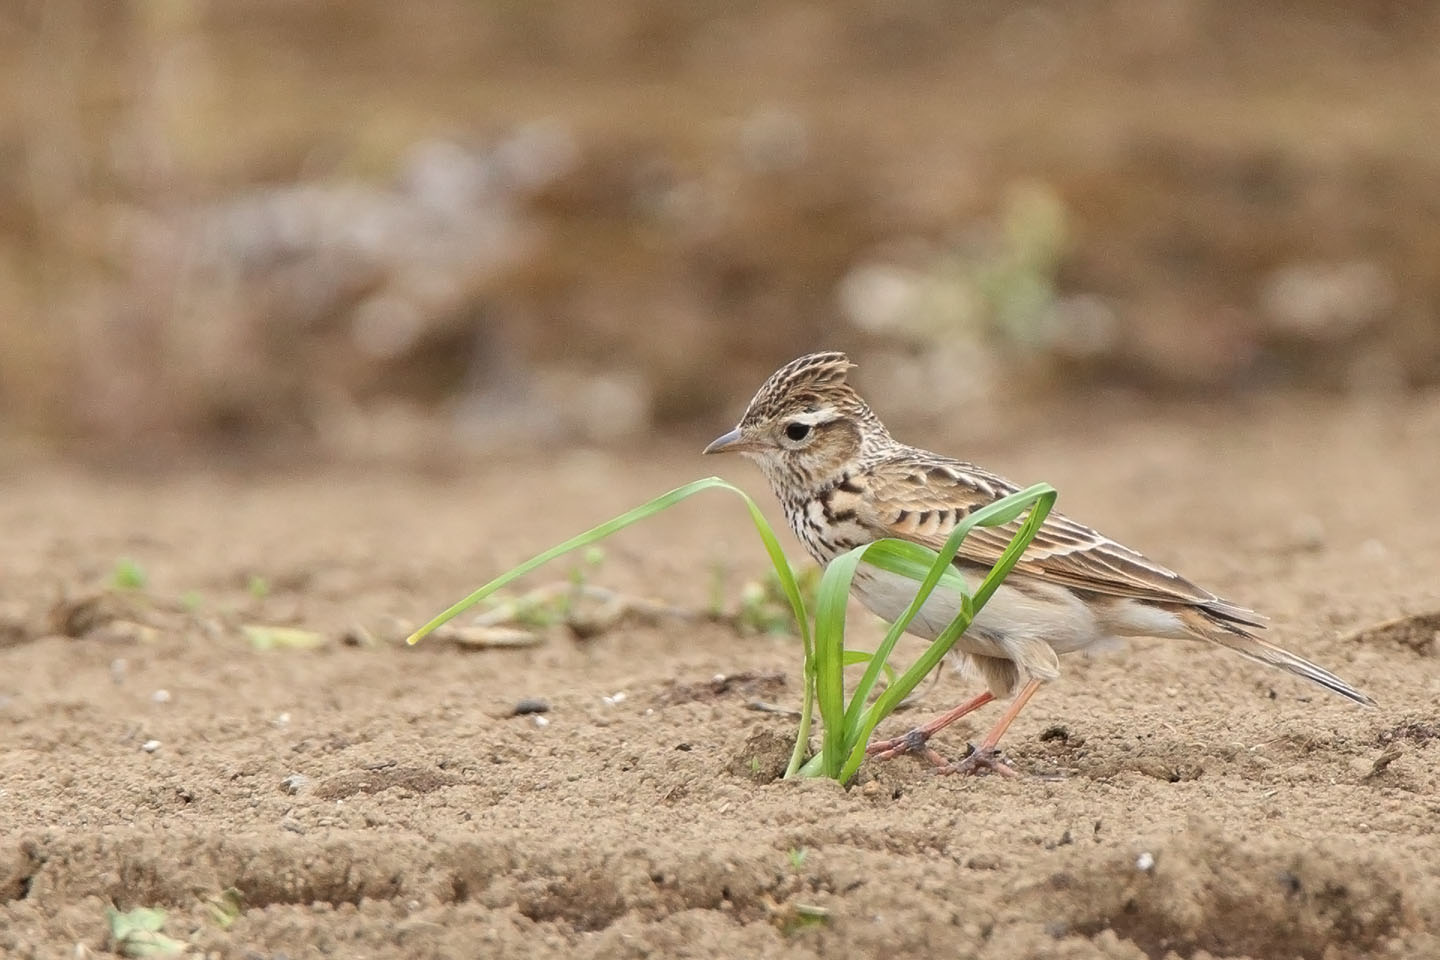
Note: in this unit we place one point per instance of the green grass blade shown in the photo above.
(662, 502)
(1040, 498)
(908, 558)
(831, 600)
(918, 563)
(856, 657)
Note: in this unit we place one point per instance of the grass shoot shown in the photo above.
(849, 720)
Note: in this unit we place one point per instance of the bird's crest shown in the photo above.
(810, 380)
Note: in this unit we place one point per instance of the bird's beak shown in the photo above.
(730, 442)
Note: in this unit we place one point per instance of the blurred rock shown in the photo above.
(1327, 302)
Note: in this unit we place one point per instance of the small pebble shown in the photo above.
(295, 783)
(531, 705)
(541, 721)
(617, 697)
(1145, 862)
(150, 746)
(160, 696)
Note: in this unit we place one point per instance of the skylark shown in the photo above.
(844, 481)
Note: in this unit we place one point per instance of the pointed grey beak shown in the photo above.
(727, 443)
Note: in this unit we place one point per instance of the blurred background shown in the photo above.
(381, 229)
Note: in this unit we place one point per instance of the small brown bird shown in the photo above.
(844, 481)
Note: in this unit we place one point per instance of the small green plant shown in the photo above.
(764, 606)
(136, 933)
(257, 586)
(797, 857)
(848, 722)
(225, 907)
(128, 575)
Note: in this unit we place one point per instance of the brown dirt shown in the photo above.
(429, 823)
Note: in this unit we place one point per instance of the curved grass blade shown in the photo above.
(906, 558)
(1040, 498)
(831, 600)
(778, 560)
(662, 502)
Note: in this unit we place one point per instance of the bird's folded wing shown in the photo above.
(923, 500)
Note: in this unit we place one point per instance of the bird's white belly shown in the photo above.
(1011, 618)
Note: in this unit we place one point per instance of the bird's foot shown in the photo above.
(914, 743)
(981, 760)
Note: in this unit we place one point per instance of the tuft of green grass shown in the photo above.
(136, 933)
(225, 907)
(128, 575)
(848, 721)
(797, 857)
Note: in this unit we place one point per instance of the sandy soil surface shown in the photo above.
(366, 799)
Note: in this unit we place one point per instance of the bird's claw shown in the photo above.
(980, 760)
(912, 743)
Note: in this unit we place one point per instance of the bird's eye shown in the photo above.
(797, 431)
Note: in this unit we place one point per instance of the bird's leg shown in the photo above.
(985, 757)
(915, 742)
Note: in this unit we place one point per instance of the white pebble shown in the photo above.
(150, 746)
(1145, 862)
(541, 721)
(617, 697)
(160, 696)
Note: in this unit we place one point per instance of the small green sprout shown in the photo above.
(225, 907)
(128, 575)
(257, 586)
(136, 933)
(262, 637)
(797, 856)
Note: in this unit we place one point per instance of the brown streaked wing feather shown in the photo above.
(923, 498)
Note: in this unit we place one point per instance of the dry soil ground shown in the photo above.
(1276, 820)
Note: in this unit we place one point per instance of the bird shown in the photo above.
(843, 481)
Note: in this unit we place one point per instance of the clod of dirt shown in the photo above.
(763, 756)
(530, 705)
(295, 783)
(415, 779)
(14, 625)
(17, 870)
(1418, 632)
(748, 684)
(588, 900)
(1416, 731)
(78, 616)
(1056, 732)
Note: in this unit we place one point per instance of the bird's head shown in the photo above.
(805, 425)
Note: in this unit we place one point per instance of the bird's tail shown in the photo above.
(1228, 627)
